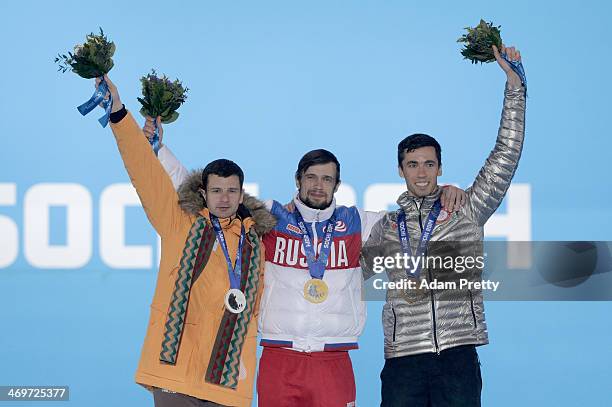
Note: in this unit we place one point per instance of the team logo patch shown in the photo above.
(340, 226)
(293, 228)
(444, 216)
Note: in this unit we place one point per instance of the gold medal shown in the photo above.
(315, 290)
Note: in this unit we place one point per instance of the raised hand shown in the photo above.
(512, 54)
(112, 90)
(149, 129)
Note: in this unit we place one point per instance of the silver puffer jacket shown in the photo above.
(422, 320)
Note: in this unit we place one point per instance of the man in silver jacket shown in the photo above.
(431, 335)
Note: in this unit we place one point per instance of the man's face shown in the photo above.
(421, 169)
(318, 185)
(223, 195)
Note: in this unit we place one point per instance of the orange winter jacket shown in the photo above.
(214, 350)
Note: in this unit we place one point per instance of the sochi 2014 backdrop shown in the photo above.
(268, 81)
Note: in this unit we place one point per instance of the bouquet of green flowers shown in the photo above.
(479, 41)
(161, 97)
(92, 59)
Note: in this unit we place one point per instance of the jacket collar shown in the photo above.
(314, 215)
(192, 203)
(233, 223)
(408, 202)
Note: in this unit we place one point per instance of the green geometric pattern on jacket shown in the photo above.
(224, 365)
(198, 246)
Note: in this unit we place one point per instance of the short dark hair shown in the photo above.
(316, 157)
(223, 168)
(415, 141)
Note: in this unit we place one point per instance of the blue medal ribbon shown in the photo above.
(155, 139)
(316, 266)
(517, 66)
(402, 230)
(236, 271)
(95, 100)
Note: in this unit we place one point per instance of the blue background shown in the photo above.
(278, 79)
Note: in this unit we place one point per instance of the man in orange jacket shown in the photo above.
(200, 345)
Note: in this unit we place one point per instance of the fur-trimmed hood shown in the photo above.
(192, 202)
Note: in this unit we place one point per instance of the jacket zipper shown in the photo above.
(433, 306)
(315, 243)
(394, 322)
(472, 308)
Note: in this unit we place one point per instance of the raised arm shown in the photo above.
(488, 190)
(153, 185)
(177, 172)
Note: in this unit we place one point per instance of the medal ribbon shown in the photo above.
(235, 271)
(316, 266)
(402, 230)
(517, 66)
(95, 99)
(155, 139)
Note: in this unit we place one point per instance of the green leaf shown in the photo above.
(172, 118)
(144, 112)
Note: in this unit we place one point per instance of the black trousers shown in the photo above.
(163, 398)
(451, 378)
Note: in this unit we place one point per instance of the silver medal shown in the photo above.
(235, 301)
